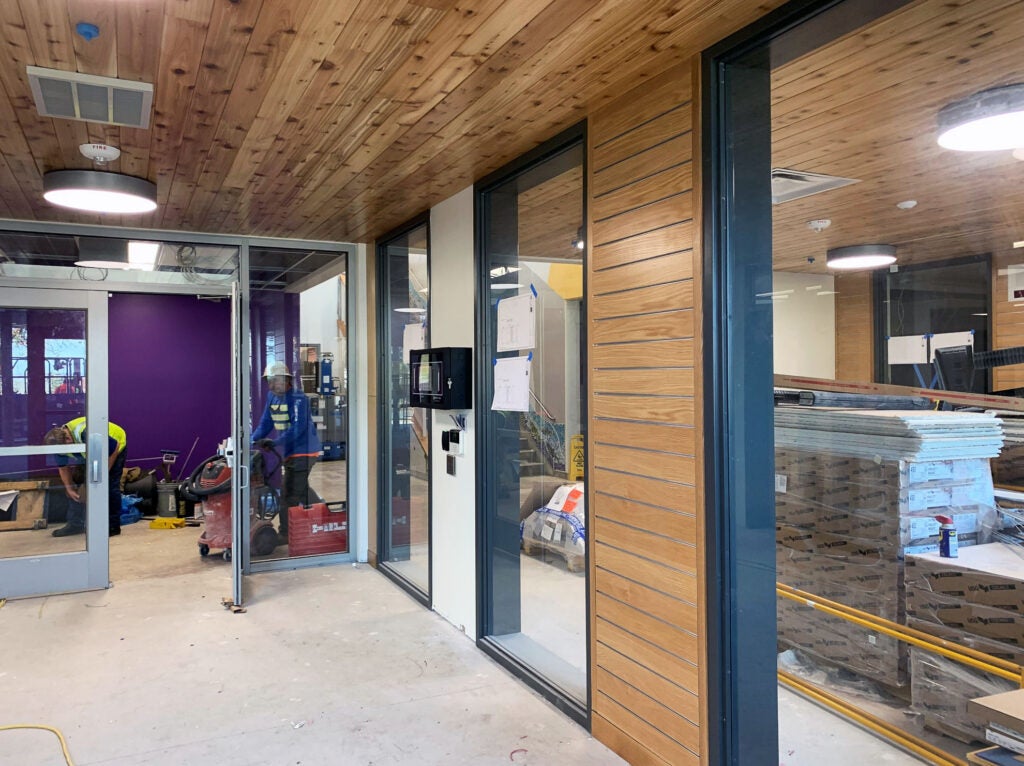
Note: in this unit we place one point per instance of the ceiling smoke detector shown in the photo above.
(101, 154)
(819, 224)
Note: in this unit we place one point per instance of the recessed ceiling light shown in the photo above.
(819, 224)
(855, 257)
(142, 255)
(97, 192)
(907, 204)
(411, 310)
(989, 120)
(506, 286)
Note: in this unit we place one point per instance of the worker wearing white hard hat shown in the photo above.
(287, 416)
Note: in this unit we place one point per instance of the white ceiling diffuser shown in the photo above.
(75, 96)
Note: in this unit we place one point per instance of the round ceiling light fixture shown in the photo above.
(855, 257)
(98, 192)
(990, 120)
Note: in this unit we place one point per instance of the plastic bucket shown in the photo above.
(166, 499)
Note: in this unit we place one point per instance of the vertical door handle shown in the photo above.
(95, 456)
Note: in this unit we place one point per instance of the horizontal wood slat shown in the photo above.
(677, 731)
(683, 701)
(680, 468)
(645, 489)
(670, 523)
(662, 185)
(675, 382)
(645, 300)
(656, 215)
(657, 436)
(626, 745)
(637, 247)
(673, 582)
(661, 96)
(674, 153)
(677, 669)
(666, 608)
(649, 136)
(674, 553)
(653, 271)
(662, 409)
(648, 351)
(666, 325)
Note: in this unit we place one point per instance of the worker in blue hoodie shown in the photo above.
(287, 415)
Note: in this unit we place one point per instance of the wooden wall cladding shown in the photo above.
(855, 340)
(647, 586)
(1007, 319)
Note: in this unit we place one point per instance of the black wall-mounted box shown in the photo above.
(441, 378)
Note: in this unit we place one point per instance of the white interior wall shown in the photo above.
(318, 320)
(452, 291)
(804, 309)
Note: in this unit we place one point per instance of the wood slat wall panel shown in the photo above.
(645, 435)
(657, 546)
(672, 582)
(1007, 321)
(644, 489)
(671, 153)
(681, 700)
(671, 610)
(654, 409)
(646, 191)
(668, 239)
(641, 463)
(667, 325)
(650, 272)
(679, 526)
(652, 382)
(854, 329)
(648, 136)
(660, 352)
(677, 730)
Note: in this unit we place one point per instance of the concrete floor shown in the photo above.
(331, 665)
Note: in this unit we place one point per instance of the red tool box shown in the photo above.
(320, 528)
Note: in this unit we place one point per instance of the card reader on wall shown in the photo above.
(440, 378)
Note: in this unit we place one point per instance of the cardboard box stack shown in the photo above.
(856, 491)
(976, 600)
(1002, 717)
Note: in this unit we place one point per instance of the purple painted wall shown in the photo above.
(170, 375)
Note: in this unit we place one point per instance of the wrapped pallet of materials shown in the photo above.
(558, 527)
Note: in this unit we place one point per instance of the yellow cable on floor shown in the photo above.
(63, 742)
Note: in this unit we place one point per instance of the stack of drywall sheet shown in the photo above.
(916, 435)
(855, 493)
(1008, 468)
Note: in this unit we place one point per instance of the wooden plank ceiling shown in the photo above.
(866, 107)
(327, 119)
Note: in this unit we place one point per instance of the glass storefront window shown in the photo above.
(533, 492)
(298, 322)
(404, 271)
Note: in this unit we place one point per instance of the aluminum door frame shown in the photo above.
(52, 573)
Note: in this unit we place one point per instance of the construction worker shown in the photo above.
(287, 414)
(74, 432)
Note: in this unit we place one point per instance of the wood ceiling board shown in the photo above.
(99, 55)
(227, 39)
(883, 102)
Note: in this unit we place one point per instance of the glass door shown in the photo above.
(54, 456)
(405, 479)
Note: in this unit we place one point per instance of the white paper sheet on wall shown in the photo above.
(517, 322)
(907, 349)
(414, 336)
(512, 384)
(947, 339)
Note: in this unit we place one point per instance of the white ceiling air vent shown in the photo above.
(793, 184)
(87, 97)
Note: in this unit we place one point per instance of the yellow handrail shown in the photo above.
(884, 729)
(961, 654)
